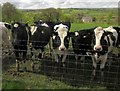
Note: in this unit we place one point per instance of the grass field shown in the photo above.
(79, 26)
(42, 80)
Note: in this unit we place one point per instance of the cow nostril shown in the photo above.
(98, 49)
(62, 49)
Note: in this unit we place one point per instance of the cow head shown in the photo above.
(18, 32)
(60, 37)
(101, 40)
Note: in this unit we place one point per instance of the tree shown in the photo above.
(0, 12)
(51, 14)
(10, 13)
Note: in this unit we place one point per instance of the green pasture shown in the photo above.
(79, 26)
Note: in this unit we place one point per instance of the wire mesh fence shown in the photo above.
(75, 72)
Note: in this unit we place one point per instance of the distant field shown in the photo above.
(79, 26)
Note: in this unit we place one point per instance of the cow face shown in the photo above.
(18, 32)
(101, 40)
(60, 37)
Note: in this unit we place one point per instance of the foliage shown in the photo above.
(10, 13)
(0, 12)
(51, 14)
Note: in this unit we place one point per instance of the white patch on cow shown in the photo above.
(33, 29)
(54, 37)
(76, 34)
(44, 24)
(15, 25)
(55, 27)
(108, 29)
(98, 34)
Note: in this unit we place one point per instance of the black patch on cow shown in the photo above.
(105, 44)
(118, 31)
(41, 37)
(56, 41)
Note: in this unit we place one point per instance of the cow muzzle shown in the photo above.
(98, 48)
(62, 48)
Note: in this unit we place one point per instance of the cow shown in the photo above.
(104, 42)
(19, 40)
(118, 39)
(40, 34)
(5, 43)
(116, 34)
(60, 41)
(82, 43)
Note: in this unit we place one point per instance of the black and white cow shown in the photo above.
(116, 34)
(118, 39)
(82, 42)
(60, 40)
(19, 39)
(40, 34)
(103, 45)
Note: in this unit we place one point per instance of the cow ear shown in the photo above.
(8, 26)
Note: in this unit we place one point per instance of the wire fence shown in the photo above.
(75, 73)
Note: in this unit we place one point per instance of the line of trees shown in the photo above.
(11, 13)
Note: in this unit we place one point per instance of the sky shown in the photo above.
(42, 4)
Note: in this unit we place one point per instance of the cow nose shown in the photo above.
(62, 48)
(98, 48)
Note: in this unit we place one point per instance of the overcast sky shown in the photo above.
(41, 4)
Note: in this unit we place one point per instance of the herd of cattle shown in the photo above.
(96, 42)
